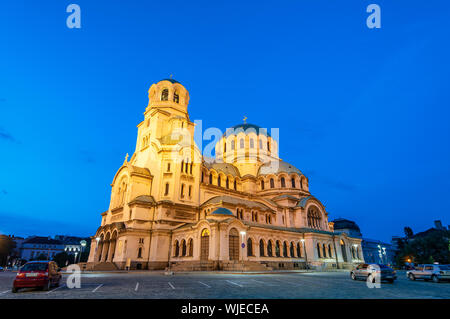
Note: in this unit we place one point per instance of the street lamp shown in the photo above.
(75, 260)
(83, 244)
(96, 248)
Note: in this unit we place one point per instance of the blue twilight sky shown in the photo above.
(363, 113)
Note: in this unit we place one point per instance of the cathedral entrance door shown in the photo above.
(233, 244)
(204, 245)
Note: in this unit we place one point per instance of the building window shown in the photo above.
(329, 251)
(277, 249)
(293, 182)
(190, 169)
(291, 250)
(272, 183)
(190, 190)
(241, 142)
(182, 164)
(210, 178)
(268, 146)
(224, 147)
(183, 248)
(260, 144)
(140, 252)
(227, 183)
(191, 247)
(177, 249)
(262, 185)
(249, 247)
(176, 97)
(232, 145)
(314, 218)
(168, 167)
(269, 248)
(165, 95)
(283, 182)
(235, 185)
(318, 251)
(166, 191)
(218, 181)
(285, 249)
(261, 247)
(324, 251)
(182, 190)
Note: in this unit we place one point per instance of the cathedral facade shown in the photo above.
(244, 209)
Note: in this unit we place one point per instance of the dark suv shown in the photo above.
(41, 274)
(370, 271)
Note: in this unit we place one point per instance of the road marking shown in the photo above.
(97, 288)
(171, 285)
(204, 284)
(264, 283)
(231, 282)
(4, 292)
(55, 289)
(137, 287)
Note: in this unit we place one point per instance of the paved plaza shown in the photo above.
(228, 285)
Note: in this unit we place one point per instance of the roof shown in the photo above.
(289, 229)
(170, 80)
(222, 211)
(227, 169)
(144, 199)
(246, 128)
(302, 202)
(275, 167)
(342, 223)
(42, 240)
(236, 201)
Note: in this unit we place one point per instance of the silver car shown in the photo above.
(429, 272)
(370, 271)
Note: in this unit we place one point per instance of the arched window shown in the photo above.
(261, 247)
(190, 191)
(218, 181)
(353, 252)
(166, 191)
(262, 185)
(269, 248)
(183, 248)
(176, 97)
(272, 183)
(140, 252)
(283, 182)
(314, 218)
(182, 166)
(324, 251)
(293, 182)
(249, 247)
(291, 250)
(186, 167)
(277, 249)
(329, 251)
(182, 190)
(268, 146)
(299, 250)
(284, 249)
(210, 178)
(318, 251)
(203, 176)
(165, 95)
(224, 147)
(252, 143)
(177, 248)
(241, 143)
(190, 169)
(235, 185)
(191, 247)
(227, 183)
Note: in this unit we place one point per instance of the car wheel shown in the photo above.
(14, 290)
(435, 278)
(411, 277)
(47, 286)
(353, 276)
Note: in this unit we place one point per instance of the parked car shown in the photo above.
(430, 272)
(365, 271)
(40, 274)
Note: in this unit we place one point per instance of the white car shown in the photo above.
(430, 272)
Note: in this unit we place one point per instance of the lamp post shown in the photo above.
(243, 233)
(75, 260)
(83, 244)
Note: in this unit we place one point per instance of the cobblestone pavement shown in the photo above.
(226, 285)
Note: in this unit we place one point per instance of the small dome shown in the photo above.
(246, 128)
(227, 169)
(280, 167)
(222, 211)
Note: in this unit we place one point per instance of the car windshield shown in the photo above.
(383, 266)
(34, 267)
(444, 267)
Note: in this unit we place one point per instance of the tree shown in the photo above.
(408, 232)
(7, 246)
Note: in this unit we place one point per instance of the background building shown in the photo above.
(35, 246)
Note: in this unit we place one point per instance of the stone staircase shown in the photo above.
(103, 266)
(245, 266)
(204, 265)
